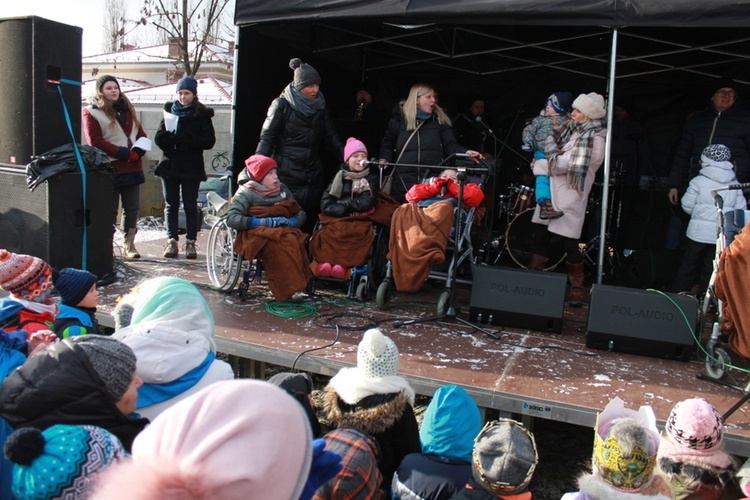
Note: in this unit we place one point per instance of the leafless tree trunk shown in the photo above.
(185, 21)
(114, 25)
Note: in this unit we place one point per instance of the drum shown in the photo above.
(522, 199)
(519, 238)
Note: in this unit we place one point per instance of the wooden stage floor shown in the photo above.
(525, 372)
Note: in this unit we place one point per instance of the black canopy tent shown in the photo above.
(513, 52)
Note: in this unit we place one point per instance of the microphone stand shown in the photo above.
(450, 308)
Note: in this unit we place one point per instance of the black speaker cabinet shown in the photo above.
(518, 298)
(642, 322)
(34, 50)
(48, 222)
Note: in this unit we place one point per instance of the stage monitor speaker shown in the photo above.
(517, 298)
(48, 222)
(642, 322)
(34, 50)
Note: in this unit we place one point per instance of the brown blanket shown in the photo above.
(732, 288)
(282, 250)
(418, 240)
(347, 240)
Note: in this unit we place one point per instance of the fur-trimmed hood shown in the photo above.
(374, 419)
(592, 486)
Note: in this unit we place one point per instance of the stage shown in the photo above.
(524, 372)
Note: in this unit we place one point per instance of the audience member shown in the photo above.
(171, 332)
(182, 168)
(266, 217)
(85, 380)
(29, 308)
(78, 301)
(372, 397)
(504, 459)
(471, 129)
(449, 426)
(698, 201)
(60, 462)
(297, 126)
(359, 478)
(554, 116)
(625, 447)
(574, 154)
(110, 123)
(300, 387)
(691, 456)
(743, 477)
(353, 192)
(234, 440)
(420, 134)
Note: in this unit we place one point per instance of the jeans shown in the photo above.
(171, 190)
(131, 204)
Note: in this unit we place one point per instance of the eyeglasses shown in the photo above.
(729, 93)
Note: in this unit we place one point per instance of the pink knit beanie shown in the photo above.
(353, 146)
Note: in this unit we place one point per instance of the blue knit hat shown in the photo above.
(188, 83)
(561, 101)
(72, 284)
(76, 454)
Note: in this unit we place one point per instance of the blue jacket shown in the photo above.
(73, 321)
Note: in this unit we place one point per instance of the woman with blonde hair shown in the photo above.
(111, 124)
(420, 134)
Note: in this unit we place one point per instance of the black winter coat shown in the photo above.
(184, 147)
(430, 145)
(59, 386)
(731, 128)
(295, 141)
(348, 204)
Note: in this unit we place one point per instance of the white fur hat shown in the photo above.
(377, 355)
(592, 105)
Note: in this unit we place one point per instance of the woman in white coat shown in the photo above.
(574, 155)
(171, 332)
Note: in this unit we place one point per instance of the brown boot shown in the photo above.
(548, 212)
(537, 262)
(576, 277)
(190, 252)
(171, 250)
(129, 245)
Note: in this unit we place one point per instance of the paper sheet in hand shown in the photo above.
(170, 121)
(143, 143)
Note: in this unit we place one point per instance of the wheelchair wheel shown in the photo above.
(222, 264)
(383, 295)
(442, 302)
(718, 363)
(363, 291)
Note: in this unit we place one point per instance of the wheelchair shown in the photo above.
(224, 266)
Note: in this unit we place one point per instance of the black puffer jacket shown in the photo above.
(430, 145)
(59, 386)
(185, 146)
(295, 141)
(350, 203)
(731, 128)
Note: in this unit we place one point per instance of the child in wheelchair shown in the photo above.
(266, 218)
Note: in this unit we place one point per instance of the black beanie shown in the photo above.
(72, 284)
(304, 74)
(112, 360)
(104, 79)
(723, 83)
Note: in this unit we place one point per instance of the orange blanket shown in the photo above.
(347, 240)
(418, 240)
(732, 288)
(282, 250)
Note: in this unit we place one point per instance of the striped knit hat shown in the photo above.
(25, 276)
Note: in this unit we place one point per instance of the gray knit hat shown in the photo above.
(504, 457)
(304, 74)
(112, 360)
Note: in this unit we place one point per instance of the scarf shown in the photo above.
(36, 307)
(580, 156)
(423, 115)
(338, 182)
(183, 111)
(301, 103)
(121, 110)
(261, 190)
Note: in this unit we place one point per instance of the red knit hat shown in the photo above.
(25, 276)
(258, 166)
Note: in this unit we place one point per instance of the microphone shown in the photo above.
(479, 120)
(367, 163)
